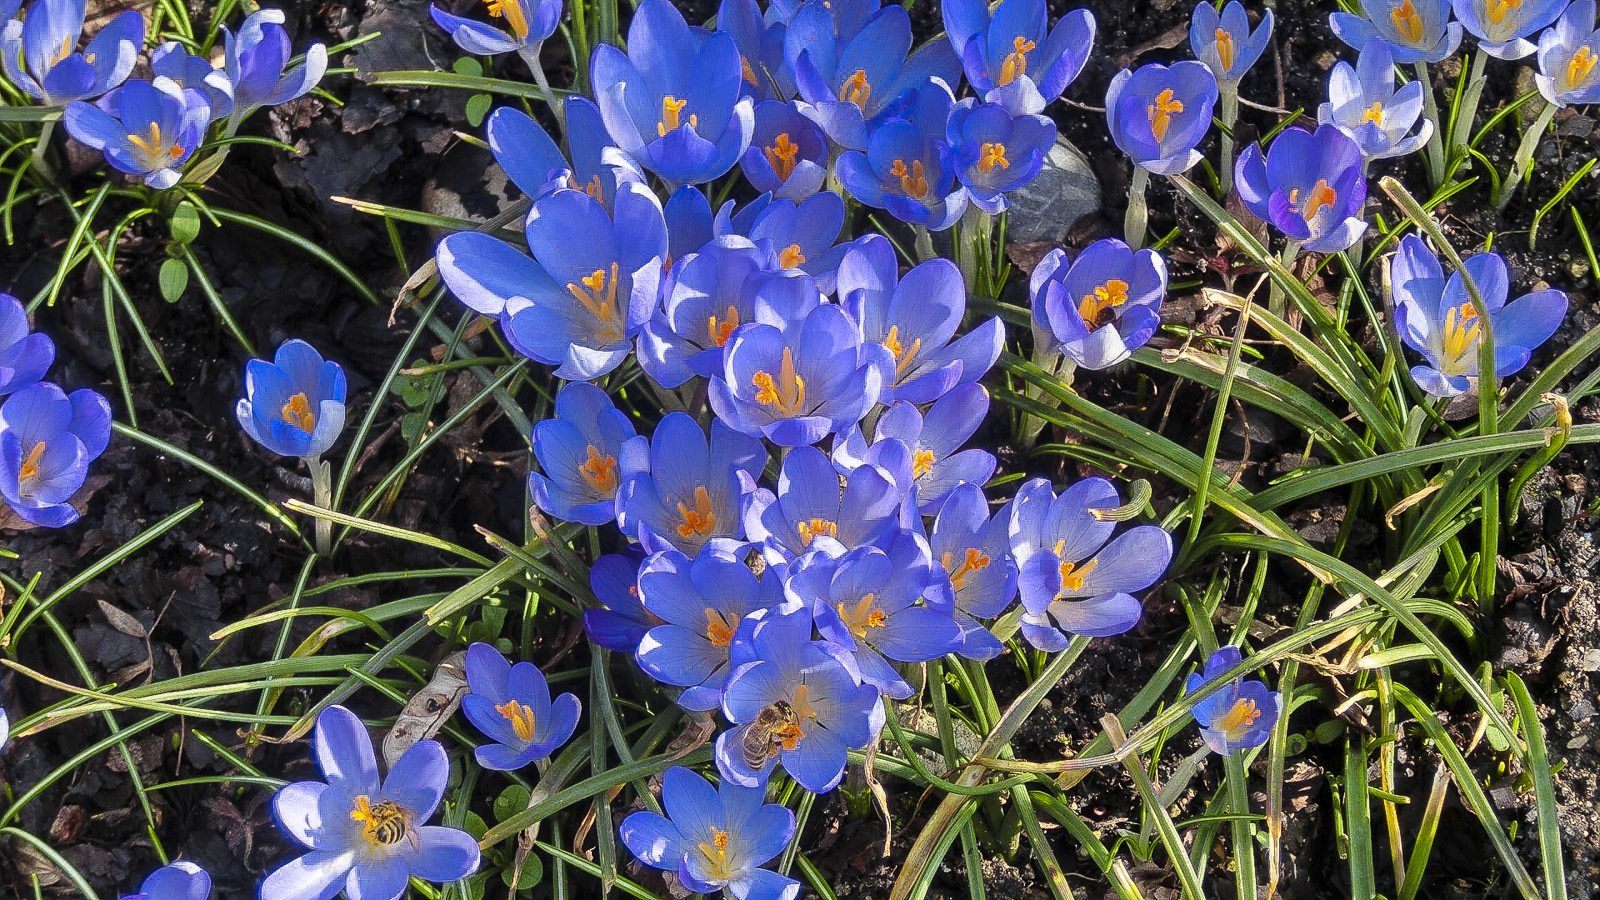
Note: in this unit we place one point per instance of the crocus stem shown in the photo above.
(1138, 215)
(40, 163)
(530, 55)
(1524, 158)
(1275, 298)
(1430, 109)
(1228, 113)
(976, 229)
(923, 244)
(1047, 356)
(322, 495)
(1461, 132)
(1244, 845)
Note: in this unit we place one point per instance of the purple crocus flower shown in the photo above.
(1415, 30)
(811, 509)
(704, 602)
(927, 460)
(696, 492)
(40, 55)
(1009, 59)
(170, 60)
(714, 838)
(537, 166)
(1225, 42)
(1436, 317)
(1363, 103)
(1103, 306)
(585, 453)
(622, 623)
(182, 880)
(528, 24)
(848, 90)
(880, 605)
(1158, 114)
(365, 834)
(704, 298)
(913, 319)
(1502, 27)
(24, 357)
(147, 129)
(996, 152)
(1239, 716)
(1308, 185)
(674, 103)
(294, 405)
(511, 704)
(796, 386)
(1072, 580)
(801, 694)
(256, 59)
(801, 235)
(690, 226)
(972, 551)
(908, 168)
(1569, 58)
(788, 156)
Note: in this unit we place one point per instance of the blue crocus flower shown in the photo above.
(812, 510)
(1241, 714)
(47, 440)
(623, 621)
(1009, 59)
(802, 235)
(973, 552)
(182, 880)
(703, 299)
(1502, 26)
(537, 166)
(40, 55)
(1363, 103)
(147, 129)
(714, 838)
(585, 453)
(171, 60)
(996, 152)
(1308, 185)
(24, 357)
(927, 460)
(805, 706)
(1225, 42)
(1072, 580)
(1569, 58)
(788, 155)
(690, 226)
(674, 104)
(365, 834)
(1436, 317)
(1158, 114)
(704, 603)
(511, 704)
(1415, 30)
(796, 386)
(914, 320)
(5, 729)
(880, 605)
(759, 38)
(1103, 306)
(294, 405)
(528, 23)
(256, 58)
(848, 90)
(696, 492)
(908, 168)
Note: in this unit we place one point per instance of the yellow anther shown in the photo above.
(1072, 576)
(903, 355)
(64, 51)
(786, 394)
(599, 296)
(745, 70)
(1580, 67)
(599, 471)
(913, 181)
(782, 156)
(297, 412)
(716, 853)
(991, 155)
(520, 717)
(30, 466)
(718, 330)
(671, 111)
(921, 463)
(1374, 114)
(791, 257)
(1407, 21)
(810, 528)
(513, 13)
(975, 560)
(1499, 9)
(862, 616)
(1461, 329)
(153, 148)
(856, 90)
(1240, 716)
(699, 521)
(1015, 64)
(595, 189)
(718, 630)
(1162, 111)
(1096, 308)
(1321, 196)
(1225, 49)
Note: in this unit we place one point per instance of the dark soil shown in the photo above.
(397, 147)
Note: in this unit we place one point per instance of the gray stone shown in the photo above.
(1064, 191)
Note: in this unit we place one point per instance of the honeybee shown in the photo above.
(764, 735)
(389, 823)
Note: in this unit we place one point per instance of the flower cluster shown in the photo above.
(150, 128)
